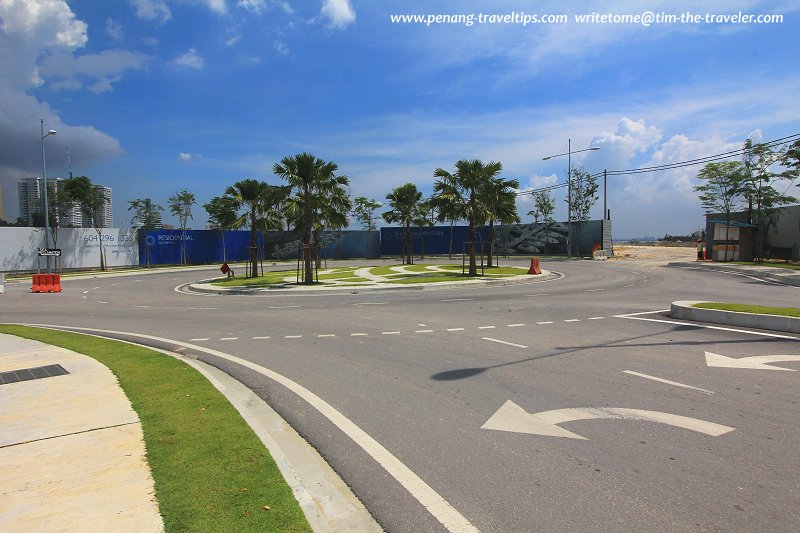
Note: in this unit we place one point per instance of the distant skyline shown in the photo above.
(153, 96)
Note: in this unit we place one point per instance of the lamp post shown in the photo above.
(569, 153)
(46, 207)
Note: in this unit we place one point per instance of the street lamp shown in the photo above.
(46, 207)
(569, 153)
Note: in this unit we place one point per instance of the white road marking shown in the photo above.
(200, 339)
(626, 286)
(326, 335)
(515, 325)
(201, 308)
(459, 300)
(504, 342)
(537, 295)
(372, 303)
(283, 307)
(642, 313)
(455, 329)
(292, 336)
(264, 337)
(359, 334)
(596, 318)
(423, 325)
(594, 290)
(545, 322)
(487, 327)
(704, 326)
(423, 331)
(95, 288)
(390, 333)
(573, 320)
(101, 302)
(512, 417)
(85, 292)
(229, 338)
(142, 306)
(445, 513)
(754, 362)
(668, 382)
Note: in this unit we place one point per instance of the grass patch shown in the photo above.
(211, 472)
(756, 309)
(790, 266)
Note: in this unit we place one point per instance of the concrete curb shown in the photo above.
(779, 275)
(205, 287)
(685, 311)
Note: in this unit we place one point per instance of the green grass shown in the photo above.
(211, 471)
(790, 266)
(746, 308)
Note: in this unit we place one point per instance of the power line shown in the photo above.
(672, 166)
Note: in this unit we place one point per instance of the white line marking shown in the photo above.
(142, 306)
(359, 334)
(283, 307)
(594, 290)
(704, 326)
(423, 325)
(626, 286)
(326, 335)
(596, 318)
(537, 295)
(261, 338)
(85, 292)
(201, 308)
(545, 322)
(372, 303)
(668, 382)
(459, 300)
(423, 331)
(200, 339)
(504, 342)
(455, 329)
(101, 302)
(487, 327)
(390, 333)
(642, 313)
(515, 325)
(95, 288)
(445, 513)
(229, 338)
(573, 320)
(292, 336)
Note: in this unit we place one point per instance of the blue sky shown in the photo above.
(154, 96)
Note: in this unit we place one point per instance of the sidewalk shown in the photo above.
(785, 276)
(70, 444)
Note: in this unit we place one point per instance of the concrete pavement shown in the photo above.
(71, 462)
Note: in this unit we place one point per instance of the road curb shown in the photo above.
(205, 287)
(685, 311)
(778, 275)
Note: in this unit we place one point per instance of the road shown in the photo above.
(574, 404)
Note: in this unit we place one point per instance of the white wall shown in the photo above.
(80, 248)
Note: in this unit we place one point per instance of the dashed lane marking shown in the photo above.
(594, 290)
(359, 334)
(263, 337)
(423, 331)
(390, 333)
(455, 329)
(326, 335)
(487, 327)
(200, 339)
(573, 320)
(371, 303)
(504, 342)
(596, 318)
(543, 323)
(283, 307)
(229, 338)
(292, 336)
(668, 382)
(459, 300)
(515, 325)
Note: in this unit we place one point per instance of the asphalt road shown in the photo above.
(426, 401)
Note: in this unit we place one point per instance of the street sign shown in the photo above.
(49, 252)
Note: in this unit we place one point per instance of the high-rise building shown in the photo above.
(31, 201)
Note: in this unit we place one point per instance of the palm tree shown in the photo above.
(448, 204)
(500, 199)
(422, 219)
(465, 185)
(403, 203)
(247, 194)
(222, 216)
(314, 180)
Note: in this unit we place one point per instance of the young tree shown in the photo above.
(403, 202)
(256, 198)
(464, 185)
(146, 214)
(759, 188)
(543, 207)
(222, 216)
(89, 198)
(314, 180)
(422, 219)
(180, 204)
(59, 204)
(721, 190)
(448, 203)
(584, 195)
(364, 211)
(500, 198)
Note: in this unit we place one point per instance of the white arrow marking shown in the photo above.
(756, 362)
(512, 417)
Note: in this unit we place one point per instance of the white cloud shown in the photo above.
(281, 48)
(190, 59)
(114, 29)
(256, 6)
(338, 12)
(43, 23)
(217, 6)
(185, 157)
(152, 10)
(96, 71)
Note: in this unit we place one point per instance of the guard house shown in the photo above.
(738, 236)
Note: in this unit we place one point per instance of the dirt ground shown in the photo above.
(654, 253)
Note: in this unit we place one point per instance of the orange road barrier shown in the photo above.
(46, 283)
(535, 266)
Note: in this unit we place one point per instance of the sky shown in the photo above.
(150, 97)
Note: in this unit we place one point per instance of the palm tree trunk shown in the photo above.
(490, 261)
(450, 254)
(309, 278)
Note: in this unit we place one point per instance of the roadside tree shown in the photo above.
(403, 202)
(584, 195)
(721, 191)
(364, 211)
(89, 198)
